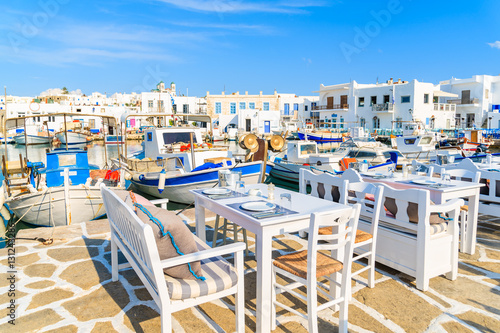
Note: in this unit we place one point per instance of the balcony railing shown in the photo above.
(444, 107)
(464, 101)
(386, 107)
(331, 107)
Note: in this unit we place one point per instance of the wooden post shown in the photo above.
(66, 131)
(193, 164)
(66, 196)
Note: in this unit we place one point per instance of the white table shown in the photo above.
(264, 230)
(439, 195)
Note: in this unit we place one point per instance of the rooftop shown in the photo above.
(66, 287)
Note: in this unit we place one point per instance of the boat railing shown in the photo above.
(151, 165)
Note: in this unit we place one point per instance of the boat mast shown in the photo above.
(66, 132)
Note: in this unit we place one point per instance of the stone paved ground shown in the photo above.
(67, 287)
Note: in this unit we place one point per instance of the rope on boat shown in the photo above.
(44, 241)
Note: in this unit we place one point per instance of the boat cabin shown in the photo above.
(76, 160)
(174, 143)
(299, 151)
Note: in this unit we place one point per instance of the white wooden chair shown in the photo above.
(306, 267)
(463, 175)
(324, 186)
(136, 241)
(419, 168)
(351, 175)
(421, 249)
(369, 196)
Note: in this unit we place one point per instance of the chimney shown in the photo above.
(399, 81)
(389, 81)
(246, 92)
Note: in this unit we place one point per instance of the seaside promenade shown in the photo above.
(66, 287)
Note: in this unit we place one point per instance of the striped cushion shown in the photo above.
(434, 228)
(219, 275)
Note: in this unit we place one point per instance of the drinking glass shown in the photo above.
(445, 177)
(285, 201)
(391, 169)
(240, 187)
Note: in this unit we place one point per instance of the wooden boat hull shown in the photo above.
(47, 208)
(177, 187)
(32, 139)
(74, 138)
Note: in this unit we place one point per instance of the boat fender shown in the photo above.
(161, 180)
(306, 164)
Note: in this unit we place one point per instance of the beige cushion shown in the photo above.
(181, 236)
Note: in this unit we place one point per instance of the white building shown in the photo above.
(382, 105)
(298, 108)
(478, 104)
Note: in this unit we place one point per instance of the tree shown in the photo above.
(65, 90)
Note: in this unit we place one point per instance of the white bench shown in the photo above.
(136, 241)
(421, 250)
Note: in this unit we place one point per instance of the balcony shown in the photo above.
(469, 101)
(331, 107)
(386, 107)
(444, 107)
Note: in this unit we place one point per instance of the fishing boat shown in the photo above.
(305, 154)
(62, 193)
(320, 136)
(175, 160)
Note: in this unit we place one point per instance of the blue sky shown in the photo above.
(205, 45)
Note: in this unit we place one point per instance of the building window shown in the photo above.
(185, 108)
(376, 122)
(305, 107)
(266, 106)
(287, 109)
(243, 106)
(361, 102)
(373, 100)
(334, 123)
(150, 104)
(426, 98)
(399, 122)
(296, 106)
(174, 108)
(218, 107)
(251, 106)
(233, 108)
(386, 99)
(405, 99)
(362, 122)
(341, 122)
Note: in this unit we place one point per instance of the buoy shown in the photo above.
(161, 180)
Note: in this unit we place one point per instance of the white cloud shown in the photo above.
(236, 6)
(495, 45)
(57, 91)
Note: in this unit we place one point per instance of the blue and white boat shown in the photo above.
(320, 136)
(67, 196)
(175, 160)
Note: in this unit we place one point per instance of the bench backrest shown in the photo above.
(324, 185)
(370, 197)
(490, 192)
(137, 240)
(402, 199)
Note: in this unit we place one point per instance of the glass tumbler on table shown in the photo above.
(240, 187)
(445, 177)
(285, 202)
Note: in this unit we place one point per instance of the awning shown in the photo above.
(439, 93)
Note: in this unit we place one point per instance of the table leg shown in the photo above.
(470, 245)
(264, 281)
(199, 213)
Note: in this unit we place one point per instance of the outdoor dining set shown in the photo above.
(414, 223)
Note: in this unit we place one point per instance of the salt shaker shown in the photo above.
(270, 191)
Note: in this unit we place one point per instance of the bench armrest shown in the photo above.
(200, 255)
(446, 207)
(161, 202)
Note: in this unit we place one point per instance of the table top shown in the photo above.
(303, 204)
(418, 181)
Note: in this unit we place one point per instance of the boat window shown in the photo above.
(388, 155)
(362, 154)
(173, 137)
(409, 141)
(426, 140)
(308, 149)
(67, 160)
